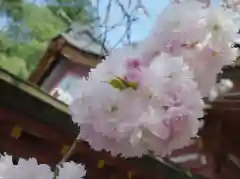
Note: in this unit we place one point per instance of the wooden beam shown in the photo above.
(188, 149)
(48, 110)
(45, 151)
(46, 61)
(34, 127)
(13, 86)
(77, 57)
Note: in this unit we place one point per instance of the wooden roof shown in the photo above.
(34, 124)
(64, 45)
(86, 38)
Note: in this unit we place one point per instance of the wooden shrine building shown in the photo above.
(36, 124)
(69, 57)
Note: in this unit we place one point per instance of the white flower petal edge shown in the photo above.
(30, 169)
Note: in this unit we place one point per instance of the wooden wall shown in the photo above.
(59, 47)
(62, 70)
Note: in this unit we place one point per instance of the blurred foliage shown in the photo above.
(14, 65)
(30, 26)
(72, 10)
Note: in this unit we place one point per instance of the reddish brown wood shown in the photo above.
(26, 149)
(46, 61)
(186, 150)
(34, 127)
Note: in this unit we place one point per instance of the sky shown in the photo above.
(140, 29)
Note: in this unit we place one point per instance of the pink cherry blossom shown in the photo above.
(172, 70)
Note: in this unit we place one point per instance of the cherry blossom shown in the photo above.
(71, 170)
(118, 114)
(204, 39)
(149, 97)
(30, 169)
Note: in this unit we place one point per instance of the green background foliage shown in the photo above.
(29, 26)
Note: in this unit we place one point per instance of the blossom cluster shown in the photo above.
(30, 169)
(149, 97)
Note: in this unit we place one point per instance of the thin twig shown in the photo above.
(69, 153)
(105, 22)
(128, 21)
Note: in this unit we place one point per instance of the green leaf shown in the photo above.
(133, 85)
(14, 65)
(122, 84)
(117, 83)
